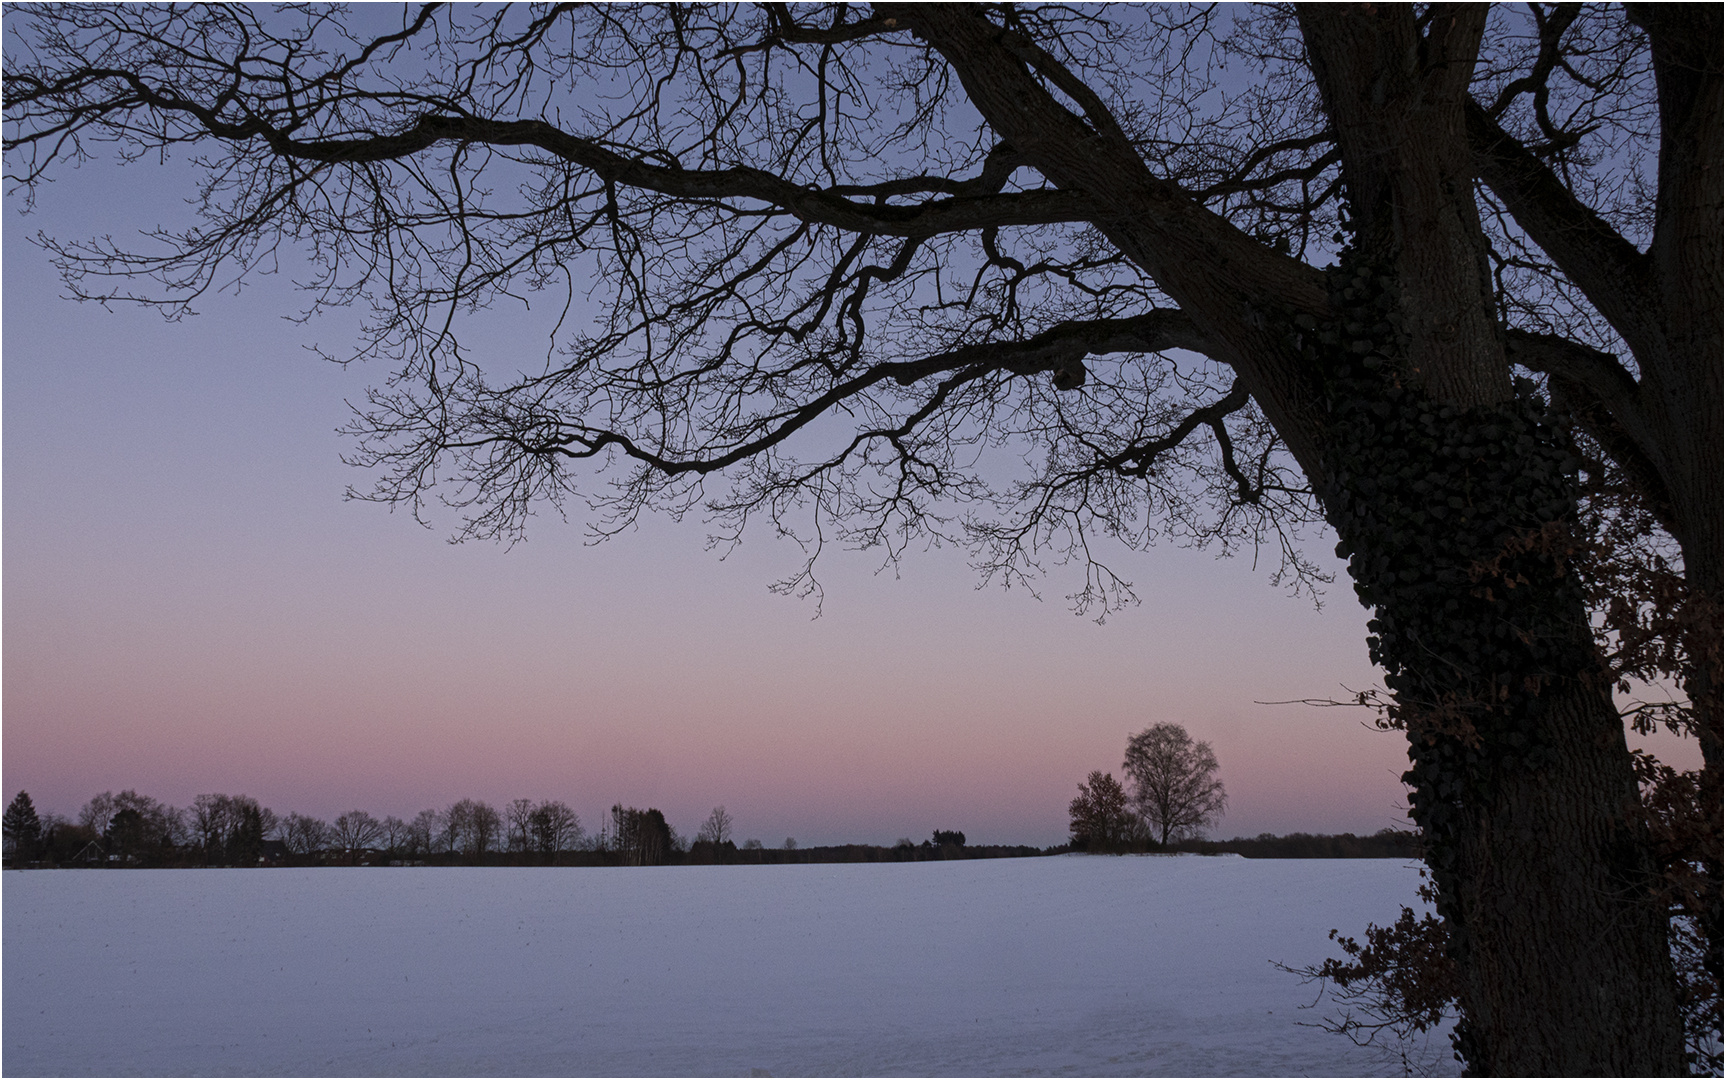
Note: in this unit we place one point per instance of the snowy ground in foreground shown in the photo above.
(1074, 965)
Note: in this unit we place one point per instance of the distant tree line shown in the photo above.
(235, 830)
(133, 830)
(1385, 844)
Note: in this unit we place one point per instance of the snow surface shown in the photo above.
(1067, 965)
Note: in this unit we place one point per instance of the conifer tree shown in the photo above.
(23, 829)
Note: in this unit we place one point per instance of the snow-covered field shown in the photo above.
(1068, 965)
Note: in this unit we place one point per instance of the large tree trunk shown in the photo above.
(1663, 427)
(1521, 778)
(1549, 846)
(1685, 258)
(1454, 496)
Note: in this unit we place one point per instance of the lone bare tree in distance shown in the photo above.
(716, 830)
(1174, 781)
(1437, 260)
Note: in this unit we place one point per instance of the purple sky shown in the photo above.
(190, 606)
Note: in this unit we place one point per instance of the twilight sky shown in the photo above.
(191, 606)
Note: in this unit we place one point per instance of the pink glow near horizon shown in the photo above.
(190, 607)
(909, 705)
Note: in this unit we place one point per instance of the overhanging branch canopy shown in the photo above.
(821, 272)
